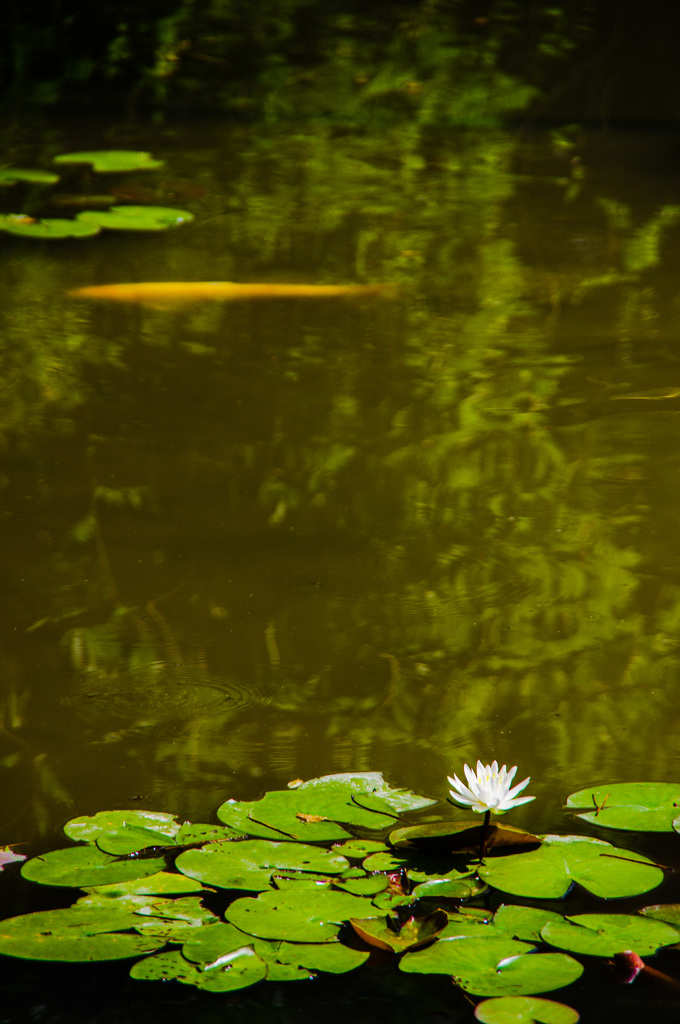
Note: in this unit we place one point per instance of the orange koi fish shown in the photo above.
(176, 293)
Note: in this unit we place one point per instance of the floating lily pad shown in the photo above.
(494, 966)
(211, 943)
(524, 922)
(90, 828)
(669, 912)
(524, 1010)
(634, 806)
(250, 864)
(73, 934)
(607, 934)
(82, 866)
(236, 814)
(51, 227)
(163, 883)
(332, 957)
(132, 839)
(281, 811)
(11, 175)
(190, 833)
(297, 917)
(414, 933)
(360, 848)
(549, 872)
(367, 783)
(449, 888)
(239, 969)
(135, 218)
(110, 160)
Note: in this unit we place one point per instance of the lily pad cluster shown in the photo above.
(324, 876)
(89, 222)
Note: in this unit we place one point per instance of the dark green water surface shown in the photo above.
(248, 542)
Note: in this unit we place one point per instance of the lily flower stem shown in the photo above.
(485, 836)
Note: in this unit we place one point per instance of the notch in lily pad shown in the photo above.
(112, 160)
(136, 218)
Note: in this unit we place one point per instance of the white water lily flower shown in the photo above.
(489, 790)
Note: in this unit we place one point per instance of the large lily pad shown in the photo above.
(74, 934)
(236, 814)
(549, 872)
(237, 969)
(90, 828)
(297, 917)
(136, 218)
(369, 784)
(50, 227)
(132, 839)
(607, 934)
(250, 864)
(111, 160)
(163, 883)
(494, 966)
(524, 1010)
(634, 806)
(81, 866)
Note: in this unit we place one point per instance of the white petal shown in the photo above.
(518, 788)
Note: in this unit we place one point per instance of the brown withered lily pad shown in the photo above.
(414, 933)
(459, 837)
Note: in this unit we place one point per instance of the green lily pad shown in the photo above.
(669, 912)
(249, 864)
(190, 833)
(279, 810)
(524, 922)
(524, 1010)
(132, 839)
(634, 806)
(460, 888)
(362, 784)
(494, 966)
(73, 934)
(607, 934)
(11, 175)
(211, 943)
(236, 814)
(297, 917)
(135, 218)
(472, 922)
(90, 828)
(50, 227)
(111, 160)
(414, 933)
(82, 866)
(360, 848)
(163, 883)
(239, 968)
(549, 872)
(332, 957)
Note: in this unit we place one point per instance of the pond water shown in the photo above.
(252, 541)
